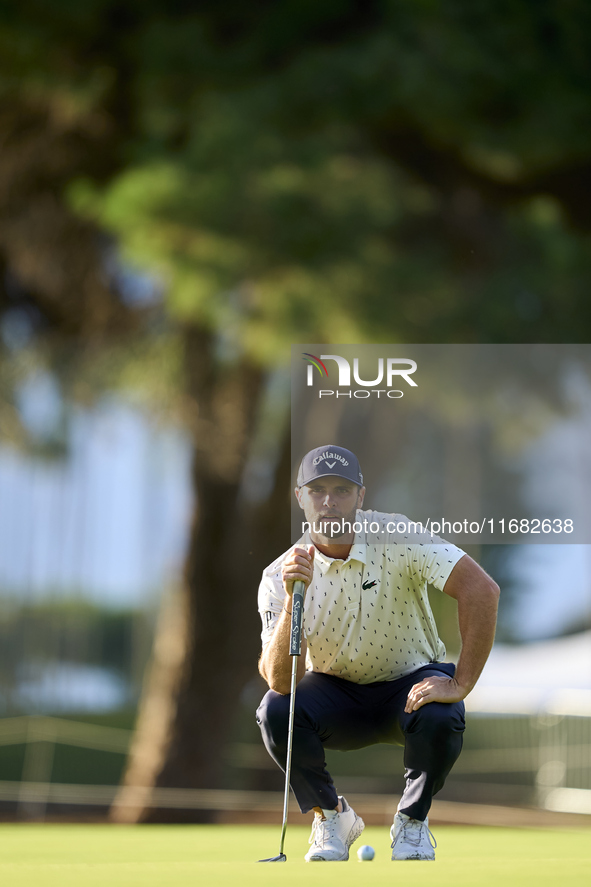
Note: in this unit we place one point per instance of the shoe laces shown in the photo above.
(412, 832)
(322, 829)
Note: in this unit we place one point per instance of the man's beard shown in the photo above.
(332, 528)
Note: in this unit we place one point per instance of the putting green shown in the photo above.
(225, 856)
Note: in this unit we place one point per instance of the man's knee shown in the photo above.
(273, 715)
(439, 718)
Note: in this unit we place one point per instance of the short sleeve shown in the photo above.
(423, 555)
(433, 561)
(270, 601)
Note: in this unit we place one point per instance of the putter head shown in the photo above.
(281, 858)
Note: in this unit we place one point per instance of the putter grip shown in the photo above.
(297, 611)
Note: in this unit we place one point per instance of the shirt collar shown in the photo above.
(358, 551)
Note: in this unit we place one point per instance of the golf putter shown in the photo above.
(295, 649)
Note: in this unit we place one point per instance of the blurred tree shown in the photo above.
(344, 171)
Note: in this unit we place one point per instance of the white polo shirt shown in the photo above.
(368, 618)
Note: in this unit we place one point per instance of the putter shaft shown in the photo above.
(295, 650)
(294, 669)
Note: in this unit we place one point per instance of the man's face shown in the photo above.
(328, 502)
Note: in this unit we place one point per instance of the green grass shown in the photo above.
(225, 856)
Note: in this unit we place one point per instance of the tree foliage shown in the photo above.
(342, 169)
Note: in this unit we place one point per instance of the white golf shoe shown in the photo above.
(411, 839)
(333, 834)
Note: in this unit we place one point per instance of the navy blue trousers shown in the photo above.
(337, 714)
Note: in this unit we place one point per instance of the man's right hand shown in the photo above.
(298, 565)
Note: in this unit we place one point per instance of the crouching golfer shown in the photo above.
(374, 667)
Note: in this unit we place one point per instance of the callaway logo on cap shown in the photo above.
(329, 460)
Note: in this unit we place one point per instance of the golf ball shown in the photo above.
(365, 853)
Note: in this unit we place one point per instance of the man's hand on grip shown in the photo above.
(298, 565)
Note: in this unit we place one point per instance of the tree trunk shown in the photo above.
(207, 641)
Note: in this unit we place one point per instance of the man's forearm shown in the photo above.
(477, 616)
(477, 596)
(275, 662)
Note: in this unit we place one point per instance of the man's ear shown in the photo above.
(298, 494)
(360, 497)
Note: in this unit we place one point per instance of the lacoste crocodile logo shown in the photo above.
(367, 584)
